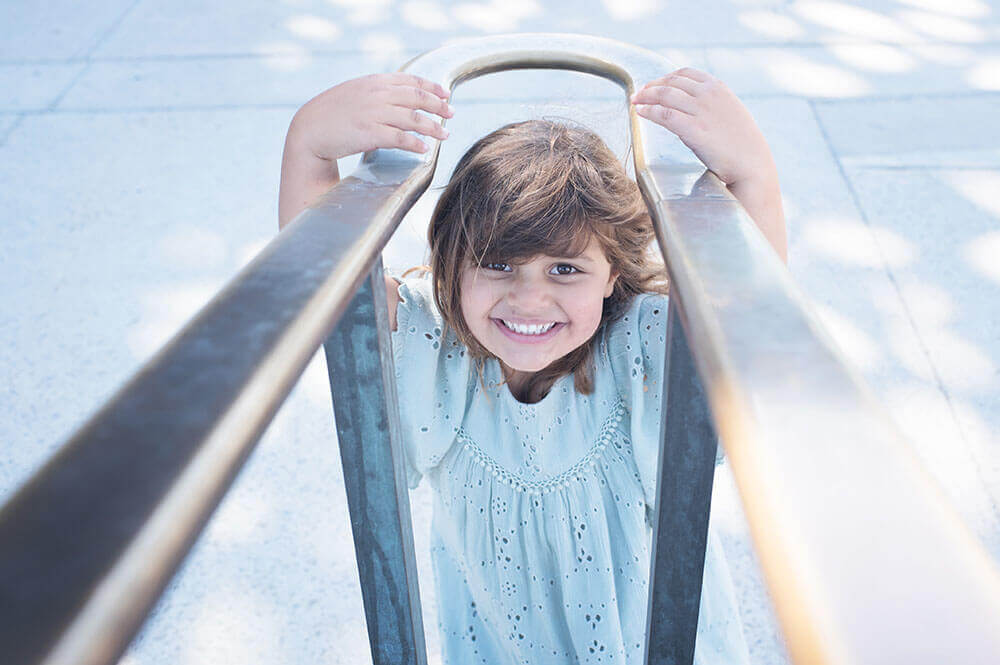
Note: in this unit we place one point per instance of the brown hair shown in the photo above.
(541, 187)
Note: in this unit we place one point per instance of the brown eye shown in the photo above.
(497, 266)
(565, 269)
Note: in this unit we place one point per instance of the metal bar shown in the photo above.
(363, 385)
(88, 544)
(861, 551)
(686, 470)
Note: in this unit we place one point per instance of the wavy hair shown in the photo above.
(542, 187)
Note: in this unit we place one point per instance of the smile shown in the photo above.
(528, 330)
(528, 333)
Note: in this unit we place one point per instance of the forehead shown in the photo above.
(592, 251)
(578, 246)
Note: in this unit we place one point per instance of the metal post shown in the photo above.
(686, 470)
(363, 384)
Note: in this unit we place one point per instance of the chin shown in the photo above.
(527, 366)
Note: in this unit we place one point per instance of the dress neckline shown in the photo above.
(497, 380)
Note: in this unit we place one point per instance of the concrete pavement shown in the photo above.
(140, 143)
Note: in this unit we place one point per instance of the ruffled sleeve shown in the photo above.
(432, 379)
(636, 348)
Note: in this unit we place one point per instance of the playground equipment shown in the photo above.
(864, 559)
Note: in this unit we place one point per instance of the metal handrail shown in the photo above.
(861, 552)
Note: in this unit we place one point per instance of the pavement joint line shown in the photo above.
(763, 96)
(87, 58)
(109, 30)
(10, 130)
(237, 55)
(968, 444)
(909, 96)
(900, 97)
(155, 109)
(264, 106)
(924, 167)
(69, 86)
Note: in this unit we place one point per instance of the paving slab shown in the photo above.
(851, 70)
(35, 87)
(272, 578)
(835, 261)
(951, 290)
(847, 261)
(99, 274)
(951, 131)
(897, 22)
(201, 82)
(216, 81)
(91, 294)
(937, 230)
(56, 30)
(159, 27)
(7, 122)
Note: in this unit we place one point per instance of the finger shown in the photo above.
(418, 98)
(412, 80)
(668, 96)
(694, 74)
(413, 120)
(686, 84)
(678, 122)
(392, 137)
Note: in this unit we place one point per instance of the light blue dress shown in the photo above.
(541, 524)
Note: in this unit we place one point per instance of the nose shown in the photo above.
(529, 295)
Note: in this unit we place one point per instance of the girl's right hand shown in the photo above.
(369, 112)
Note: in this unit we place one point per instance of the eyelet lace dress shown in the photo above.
(541, 528)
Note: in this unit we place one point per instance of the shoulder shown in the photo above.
(644, 313)
(421, 334)
(412, 298)
(634, 343)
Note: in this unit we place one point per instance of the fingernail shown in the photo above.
(451, 111)
(446, 132)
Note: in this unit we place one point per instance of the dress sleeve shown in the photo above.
(636, 347)
(432, 379)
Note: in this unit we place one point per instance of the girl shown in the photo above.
(530, 359)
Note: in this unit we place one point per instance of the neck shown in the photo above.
(517, 382)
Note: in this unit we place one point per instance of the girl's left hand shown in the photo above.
(710, 120)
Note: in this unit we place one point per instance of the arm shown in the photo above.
(304, 176)
(392, 300)
(705, 114)
(761, 198)
(358, 115)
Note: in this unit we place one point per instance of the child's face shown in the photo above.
(566, 292)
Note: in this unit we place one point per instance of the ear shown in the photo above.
(612, 278)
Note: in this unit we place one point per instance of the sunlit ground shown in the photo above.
(881, 116)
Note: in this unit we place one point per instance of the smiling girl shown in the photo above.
(529, 361)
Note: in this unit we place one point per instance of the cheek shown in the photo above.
(475, 302)
(586, 307)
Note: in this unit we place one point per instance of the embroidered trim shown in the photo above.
(562, 480)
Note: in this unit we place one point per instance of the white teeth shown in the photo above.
(529, 330)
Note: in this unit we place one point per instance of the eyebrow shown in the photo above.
(577, 259)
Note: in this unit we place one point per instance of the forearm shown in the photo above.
(761, 197)
(304, 176)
